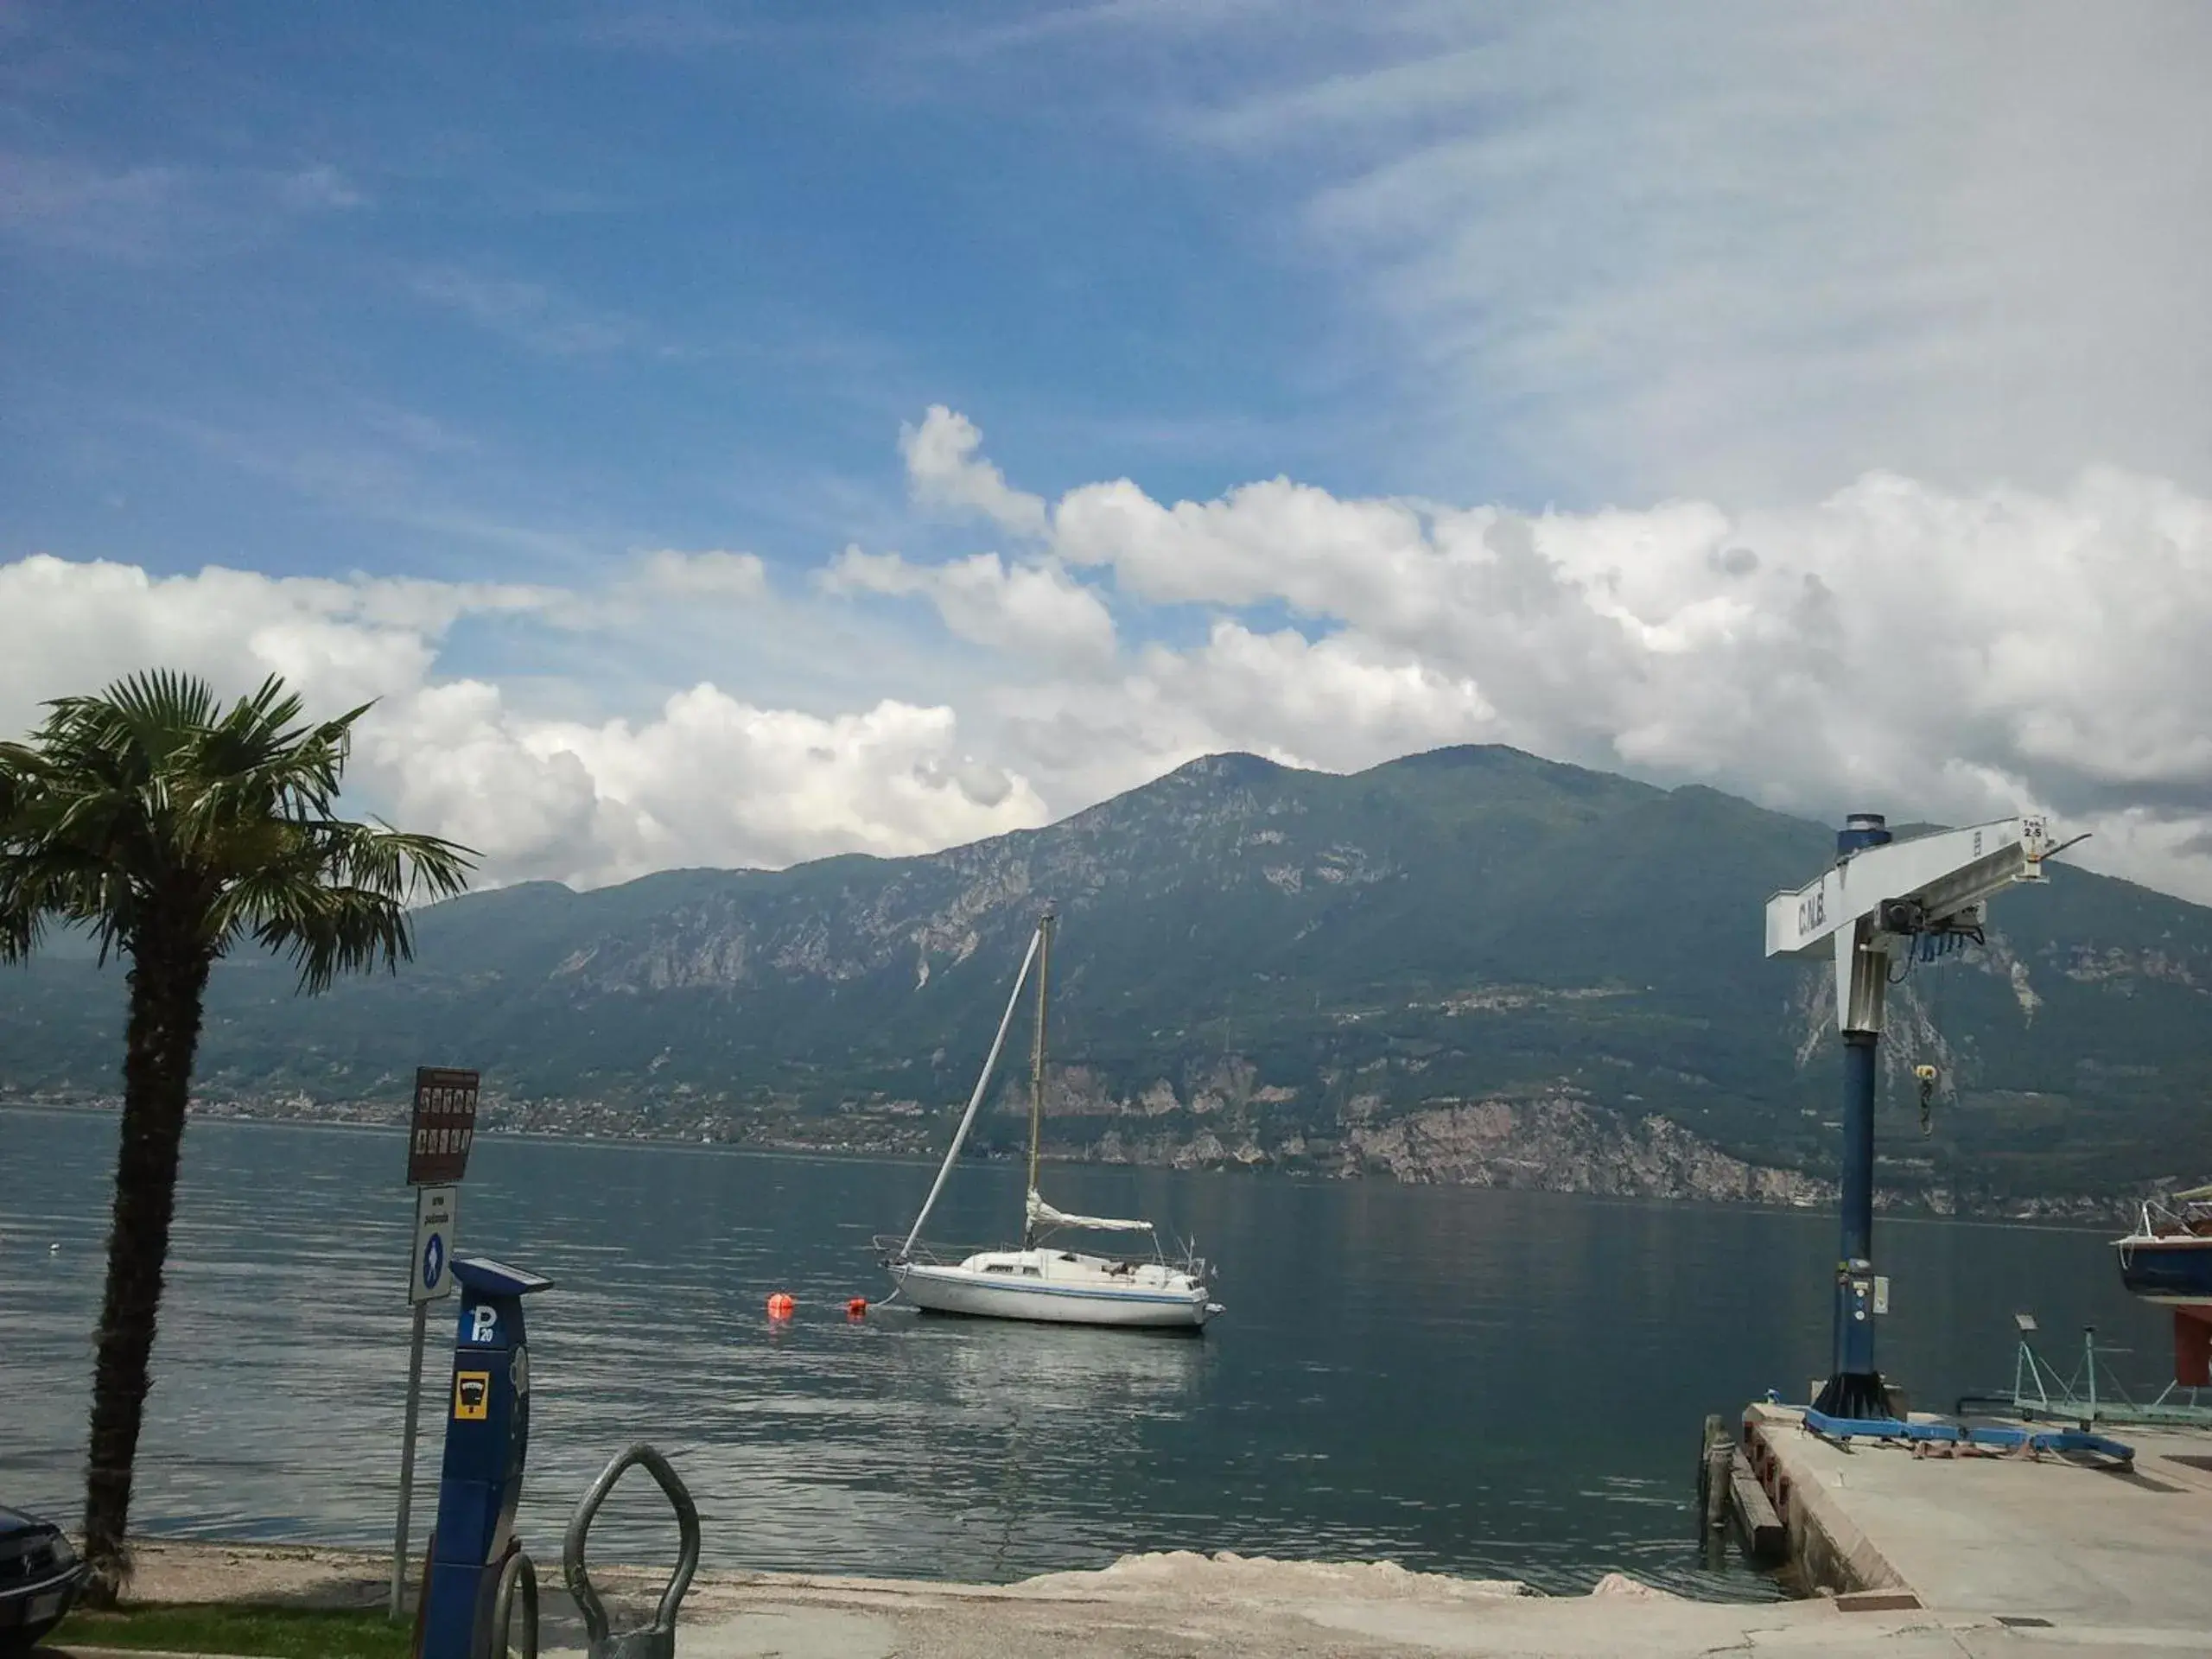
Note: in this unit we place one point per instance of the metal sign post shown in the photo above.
(439, 1139)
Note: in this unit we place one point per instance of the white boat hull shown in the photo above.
(992, 1296)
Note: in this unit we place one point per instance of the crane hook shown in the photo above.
(1927, 1076)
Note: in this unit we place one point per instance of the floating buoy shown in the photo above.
(781, 1306)
(856, 1309)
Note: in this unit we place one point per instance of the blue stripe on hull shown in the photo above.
(2168, 1273)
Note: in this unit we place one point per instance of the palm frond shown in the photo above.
(345, 929)
(164, 709)
(152, 800)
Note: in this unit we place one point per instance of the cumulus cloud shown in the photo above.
(1030, 610)
(708, 778)
(1954, 654)
(1897, 646)
(1334, 703)
(76, 625)
(1275, 540)
(945, 468)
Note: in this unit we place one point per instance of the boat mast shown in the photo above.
(1037, 1069)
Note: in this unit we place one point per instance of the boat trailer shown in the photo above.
(2089, 1395)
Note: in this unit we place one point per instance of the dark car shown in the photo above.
(40, 1576)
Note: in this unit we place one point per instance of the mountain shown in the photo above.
(1469, 964)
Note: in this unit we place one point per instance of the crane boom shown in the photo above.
(1938, 875)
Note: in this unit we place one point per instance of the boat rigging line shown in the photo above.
(975, 1101)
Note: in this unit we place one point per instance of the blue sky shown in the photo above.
(453, 301)
(736, 433)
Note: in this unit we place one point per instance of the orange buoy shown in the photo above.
(856, 1309)
(781, 1306)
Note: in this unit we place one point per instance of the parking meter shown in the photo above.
(487, 1437)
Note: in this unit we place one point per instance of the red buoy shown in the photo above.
(781, 1306)
(856, 1309)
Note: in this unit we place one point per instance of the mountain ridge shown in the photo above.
(1261, 965)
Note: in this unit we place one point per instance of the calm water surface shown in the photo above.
(1480, 1383)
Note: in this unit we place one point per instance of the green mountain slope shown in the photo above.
(1258, 963)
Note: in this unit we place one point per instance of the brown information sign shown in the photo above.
(445, 1126)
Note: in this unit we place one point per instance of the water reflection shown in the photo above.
(1089, 1374)
(1482, 1382)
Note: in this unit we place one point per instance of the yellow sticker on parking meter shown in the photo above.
(472, 1396)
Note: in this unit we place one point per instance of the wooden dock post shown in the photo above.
(1712, 1472)
(1728, 1488)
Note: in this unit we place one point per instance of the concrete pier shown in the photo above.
(2054, 1545)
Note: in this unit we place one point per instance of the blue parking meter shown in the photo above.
(487, 1436)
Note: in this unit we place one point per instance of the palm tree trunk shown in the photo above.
(167, 978)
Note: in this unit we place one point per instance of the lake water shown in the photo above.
(1480, 1383)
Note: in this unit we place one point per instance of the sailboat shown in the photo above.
(1039, 1280)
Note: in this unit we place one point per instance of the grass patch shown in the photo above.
(232, 1627)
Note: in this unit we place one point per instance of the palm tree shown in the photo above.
(173, 828)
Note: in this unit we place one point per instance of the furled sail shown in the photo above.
(1042, 1214)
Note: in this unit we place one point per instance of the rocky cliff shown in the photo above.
(1472, 964)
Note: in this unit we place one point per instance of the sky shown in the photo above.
(730, 436)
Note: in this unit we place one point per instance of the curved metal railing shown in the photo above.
(517, 1572)
(657, 1640)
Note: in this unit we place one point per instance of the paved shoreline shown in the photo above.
(1151, 1607)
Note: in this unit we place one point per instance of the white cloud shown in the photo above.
(1897, 646)
(527, 313)
(1749, 251)
(943, 469)
(322, 187)
(709, 778)
(1336, 703)
(1033, 611)
(78, 625)
(454, 760)
(153, 213)
(714, 575)
(1262, 541)
(1339, 703)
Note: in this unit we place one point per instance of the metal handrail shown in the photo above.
(888, 1250)
(658, 1639)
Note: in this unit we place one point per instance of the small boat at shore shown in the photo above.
(1037, 1280)
(2167, 1261)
